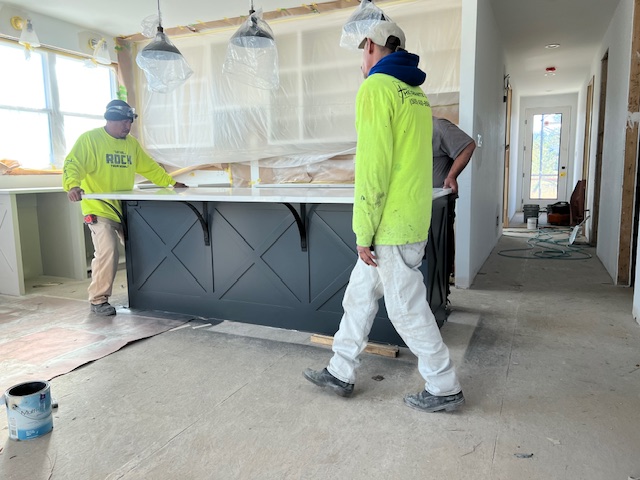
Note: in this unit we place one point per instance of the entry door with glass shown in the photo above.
(546, 155)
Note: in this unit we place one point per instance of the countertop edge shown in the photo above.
(255, 195)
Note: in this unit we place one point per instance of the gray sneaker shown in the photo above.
(323, 378)
(426, 402)
(103, 309)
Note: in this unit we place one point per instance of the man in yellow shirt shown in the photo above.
(391, 218)
(107, 159)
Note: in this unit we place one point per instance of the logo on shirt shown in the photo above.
(118, 159)
(414, 97)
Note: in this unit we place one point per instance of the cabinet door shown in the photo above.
(11, 273)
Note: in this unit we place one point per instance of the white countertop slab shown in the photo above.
(304, 185)
(22, 190)
(264, 194)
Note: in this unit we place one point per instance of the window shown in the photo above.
(545, 156)
(46, 102)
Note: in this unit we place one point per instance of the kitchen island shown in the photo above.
(271, 256)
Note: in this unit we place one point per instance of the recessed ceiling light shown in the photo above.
(552, 45)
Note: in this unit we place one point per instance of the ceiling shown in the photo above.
(525, 26)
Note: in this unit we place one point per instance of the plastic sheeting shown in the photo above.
(309, 119)
(360, 22)
(252, 55)
(164, 67)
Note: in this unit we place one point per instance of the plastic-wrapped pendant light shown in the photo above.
(28, 37)
(163, 64)
(360, 22)
(101, 52)
(252, 56)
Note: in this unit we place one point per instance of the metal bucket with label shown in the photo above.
(29, 410)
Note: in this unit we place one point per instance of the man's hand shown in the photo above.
(367, 256)
(179, 185)
(75, 194)
(451, 183)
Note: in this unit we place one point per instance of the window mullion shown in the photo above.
(55, 115)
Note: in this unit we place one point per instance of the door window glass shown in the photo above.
(545, 156)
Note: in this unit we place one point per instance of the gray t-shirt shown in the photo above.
(448, 142)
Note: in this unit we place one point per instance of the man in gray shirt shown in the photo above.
(452, 150)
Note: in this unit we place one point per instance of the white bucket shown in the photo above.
(29, 410)
(532, 223)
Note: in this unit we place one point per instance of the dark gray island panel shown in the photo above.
(255, 269)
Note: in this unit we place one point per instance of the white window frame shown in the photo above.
(57, 144)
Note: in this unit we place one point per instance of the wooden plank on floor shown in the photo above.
(374, 348)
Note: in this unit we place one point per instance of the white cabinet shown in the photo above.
(41, 233)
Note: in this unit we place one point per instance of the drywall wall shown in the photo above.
(513, 201)
(617, 41)
(482, 114)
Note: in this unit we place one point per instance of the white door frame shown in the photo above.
(565, 159)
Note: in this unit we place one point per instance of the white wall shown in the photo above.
(617, 41)
(53, 32)
(564, 100)
(482, 112)
(513, 202)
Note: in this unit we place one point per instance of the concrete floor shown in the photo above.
(547, 352)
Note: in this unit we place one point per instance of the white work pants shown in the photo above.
(398, 278)
(105, 235)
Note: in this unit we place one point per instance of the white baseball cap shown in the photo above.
(380, 33)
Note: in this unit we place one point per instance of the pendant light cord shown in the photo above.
(159, 16)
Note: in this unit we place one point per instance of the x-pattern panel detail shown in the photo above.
(164, 253)
(257, 256)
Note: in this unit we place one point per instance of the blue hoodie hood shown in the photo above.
(401, 65)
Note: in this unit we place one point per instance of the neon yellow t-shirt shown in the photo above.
(393, 165)
(100, 163)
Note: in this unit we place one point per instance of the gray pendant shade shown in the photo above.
(252, 56)
(160, 48)
(164, 66)
(253, 35)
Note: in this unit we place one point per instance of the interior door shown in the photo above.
(546, 155)
(507, 157)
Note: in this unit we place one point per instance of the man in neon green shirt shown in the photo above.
(391, 218)
(107, 159)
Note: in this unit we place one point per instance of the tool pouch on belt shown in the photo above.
(90, 219)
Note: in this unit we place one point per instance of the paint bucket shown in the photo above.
(29, 410)
(532, 223)
(530, 211)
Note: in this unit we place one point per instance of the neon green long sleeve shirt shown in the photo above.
(100, 163)
(393, 165)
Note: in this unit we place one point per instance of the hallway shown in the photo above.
(546, 350)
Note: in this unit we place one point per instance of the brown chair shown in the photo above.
(576, 203)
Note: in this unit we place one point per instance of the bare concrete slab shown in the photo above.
(546, 351)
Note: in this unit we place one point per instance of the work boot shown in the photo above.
(103, 309)
(323, 378)
(426, 402)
